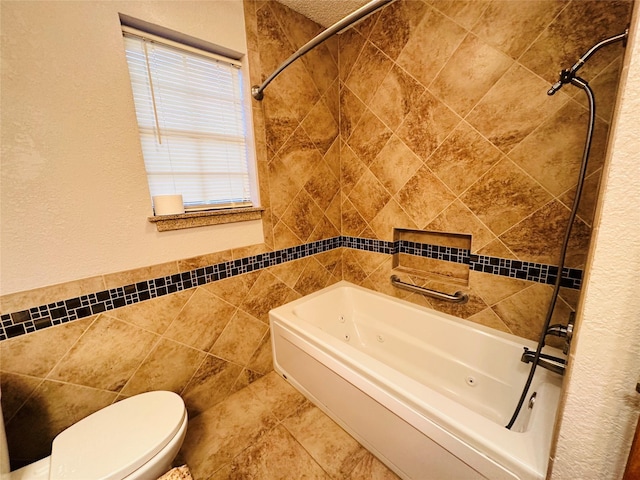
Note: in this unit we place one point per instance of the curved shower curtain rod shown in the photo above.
(359, 14)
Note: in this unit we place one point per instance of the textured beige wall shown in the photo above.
(74, 196)
(601, 404)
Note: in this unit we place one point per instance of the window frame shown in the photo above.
(197, 216)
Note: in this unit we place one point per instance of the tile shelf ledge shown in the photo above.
(204, 218)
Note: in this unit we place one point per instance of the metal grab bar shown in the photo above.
(458, 297)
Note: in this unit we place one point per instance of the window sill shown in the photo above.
(165, 223)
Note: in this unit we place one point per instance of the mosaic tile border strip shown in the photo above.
(531, 271)
(437, 252)
(370, 244)
(43, 316)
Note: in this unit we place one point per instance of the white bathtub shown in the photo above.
(427, 393)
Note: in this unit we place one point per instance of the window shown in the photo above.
(193, 122)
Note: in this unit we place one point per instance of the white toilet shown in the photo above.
(136, 438)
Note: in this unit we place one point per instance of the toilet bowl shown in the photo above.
(136, 438)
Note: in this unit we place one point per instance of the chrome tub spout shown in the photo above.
(554, 364)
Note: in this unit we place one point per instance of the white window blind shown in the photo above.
(191, 117)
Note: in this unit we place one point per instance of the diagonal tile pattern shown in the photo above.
(463, 158)
(427, 115)
(514, 195)
(430, 45)
(501, 18)
(574, 30)
(206, 344)
(462, 82)
(269, 430)
(496, 157)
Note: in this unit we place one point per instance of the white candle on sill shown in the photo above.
(168, 205)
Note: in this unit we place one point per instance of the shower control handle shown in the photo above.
(569, 336)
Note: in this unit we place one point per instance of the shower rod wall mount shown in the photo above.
(257, 91)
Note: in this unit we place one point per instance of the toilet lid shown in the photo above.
(117, 440)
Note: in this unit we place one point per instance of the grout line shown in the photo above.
(8, 420)
(65, 354)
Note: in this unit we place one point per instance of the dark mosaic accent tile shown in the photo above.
(83, 312)
(530, 271)
(369, 244)
(59, 312)
(534, 272)
(19, 317)
(98, 308)
(144, 295)
(42, 323)
(72, 303)
(15, 330)
(103, 296)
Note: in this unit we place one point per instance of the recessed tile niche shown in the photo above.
(436, 266)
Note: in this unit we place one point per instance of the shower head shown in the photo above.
(567, 75)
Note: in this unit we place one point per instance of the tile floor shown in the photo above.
(270, 431)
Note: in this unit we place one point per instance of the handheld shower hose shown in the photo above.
(568, 76)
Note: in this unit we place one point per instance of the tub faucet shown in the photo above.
(555, 364)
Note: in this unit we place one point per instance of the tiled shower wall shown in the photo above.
(446, 126)
(412, 119)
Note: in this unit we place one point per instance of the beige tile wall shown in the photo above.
(446, 126)
(298, 121)
(428, 115)
(204, 343)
